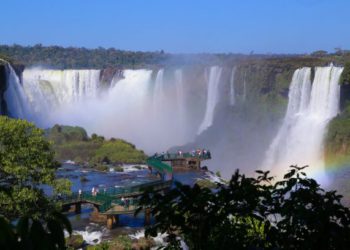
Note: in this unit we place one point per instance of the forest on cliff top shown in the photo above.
(77, 58)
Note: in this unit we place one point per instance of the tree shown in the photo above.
(26, 165)
(345, 76)
(252, 213)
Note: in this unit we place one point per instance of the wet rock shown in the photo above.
(75, 241)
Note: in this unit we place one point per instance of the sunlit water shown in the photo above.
(128, 224)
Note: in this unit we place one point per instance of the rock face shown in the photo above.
(248, 127)
(3, 83)
(3, 109)
(110, 74)
(261, 93)
(337, 146)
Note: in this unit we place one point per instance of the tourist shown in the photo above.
(123, 201)
(79, 192)
(208, 155)
(127, 202)
(93, 192)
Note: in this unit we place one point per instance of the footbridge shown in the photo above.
(114, 201)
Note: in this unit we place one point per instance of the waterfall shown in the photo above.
(244, 87)
(180, 98)
(299, 140)
(158, 94)
(232, 87)
(63, 86)
(212, 98)
(15, 98)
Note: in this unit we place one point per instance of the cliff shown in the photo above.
(73, 143)
(3, 109)
(337, 146)
(3, 81)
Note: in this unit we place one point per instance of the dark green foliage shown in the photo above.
(80, 57)
(75, 241)
(252, 213)
(71, 57)
(34, 234)
(345, 76)
(62, 134)
(26, 163)
(73, 143)
(337, 146)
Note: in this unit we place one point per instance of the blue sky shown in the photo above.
(190, 26)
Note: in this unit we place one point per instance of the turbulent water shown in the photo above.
(161, 108)
(14, 96)
(212, 98)
(299, 140)
(48, 90)
(232, 87)
(137, 105)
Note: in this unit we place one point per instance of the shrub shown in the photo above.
(252, 213)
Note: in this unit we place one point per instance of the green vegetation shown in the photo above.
(26, 164)
(337, 144)
(75, 241)
(80, 57)
(72, 143)
(345, 76)
(72, 57)
(252, 213)
(123, 242)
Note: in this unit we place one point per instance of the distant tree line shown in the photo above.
(70, 57)
(82, 58)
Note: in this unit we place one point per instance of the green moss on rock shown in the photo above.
(75, 241)
(337, 144)
(73, 143)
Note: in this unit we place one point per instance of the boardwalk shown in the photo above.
(112, 202)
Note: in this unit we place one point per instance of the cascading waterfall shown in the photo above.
(310, 108)
(158, 94)
(48, 90)
(135, 105)
(212, 98)
(180, 103)
(15, 98)
(232, 87)
(244, 88)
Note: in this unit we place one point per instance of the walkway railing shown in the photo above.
(175, 156)
(113, 196)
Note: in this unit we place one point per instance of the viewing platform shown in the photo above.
(114, 201)
(184, 160)
(109, 204)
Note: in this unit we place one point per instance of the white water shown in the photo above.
(244, 87)
(14, 96)
(212, 98)
(180, 105)
(137, 107)
(158, 94)
(48, 90)
(232, 87)
(299, 140)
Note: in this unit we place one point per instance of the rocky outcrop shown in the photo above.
(3, 109)
(3, 83)
(109, 74)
